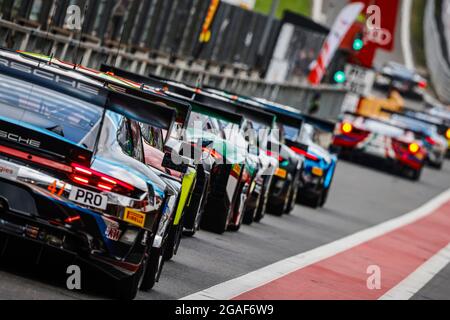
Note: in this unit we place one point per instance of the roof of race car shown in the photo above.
(75, 84)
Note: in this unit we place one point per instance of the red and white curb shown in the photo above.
(409, 251)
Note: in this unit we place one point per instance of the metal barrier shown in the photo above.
(437, 64)
(92, 54)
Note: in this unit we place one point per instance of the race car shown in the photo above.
(256, 130)
(183, 183)
(428, 131)
(310, 137)
(359, 137)
(396, 76)
(283, 187)
(440, 117)
(226, 161)
(73, 183)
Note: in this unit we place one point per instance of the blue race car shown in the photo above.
(302, 132)
(74, 188)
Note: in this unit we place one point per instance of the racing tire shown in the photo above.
(413, 174)
(324, 199)
(127, 288)
(216, 222)
(153, 268)
(261, 210)
(417, 174)
(280, 209)
(315, 202)
(249, 217)
(173, 241)
(292, 200)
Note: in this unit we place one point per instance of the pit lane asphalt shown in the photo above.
(361, 197)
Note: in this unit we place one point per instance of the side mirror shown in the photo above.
(176, 162)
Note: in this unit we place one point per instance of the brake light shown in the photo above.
(414, 148)
(430, 140)
(212, 152)
(307, 155)
(72, 219)
(423, 84)
(347, 127)
(36, 159)
(87, 176)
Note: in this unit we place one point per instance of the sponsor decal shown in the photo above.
(113, 231)
(317, 171)
(134, 217)
(16, 138)
(49, 76)
(237, 169)
(281, 173)
(8, 170)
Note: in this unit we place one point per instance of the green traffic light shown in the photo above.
(358, 44)
(340, 77)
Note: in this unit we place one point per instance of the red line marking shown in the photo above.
(343, 276)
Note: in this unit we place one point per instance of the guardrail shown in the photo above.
(66, 47)
(437, 64)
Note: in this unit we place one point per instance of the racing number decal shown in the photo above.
(53, 188)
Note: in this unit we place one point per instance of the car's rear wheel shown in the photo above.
(215, 217)
(413, 174)
(280, 208)
(127, 288)
(292, 200)
(153, 268)
(249, 216)
(174, 240)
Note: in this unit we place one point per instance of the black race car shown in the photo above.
(74, 188)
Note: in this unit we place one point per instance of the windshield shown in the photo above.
(291, 133)
(48, 110)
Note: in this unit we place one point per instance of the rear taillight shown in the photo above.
(413, 148)
(423, 84)
(72, 219)
(347, 128)
(35, 159)
(212, 152)
(307, 155)
(430, 140)
(87, 176)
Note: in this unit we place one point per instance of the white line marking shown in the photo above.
(235, 287)
(406, 33)
(406, 289)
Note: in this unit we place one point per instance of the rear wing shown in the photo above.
(197, 95)
(177, 92)
(165, 85)
(386, 122)
(83, 88)
(442, 125)
(119, 85)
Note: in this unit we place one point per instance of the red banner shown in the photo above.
(380, 25)
(381, 22)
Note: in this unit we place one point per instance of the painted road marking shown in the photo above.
(338, 270)
(406, 289)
